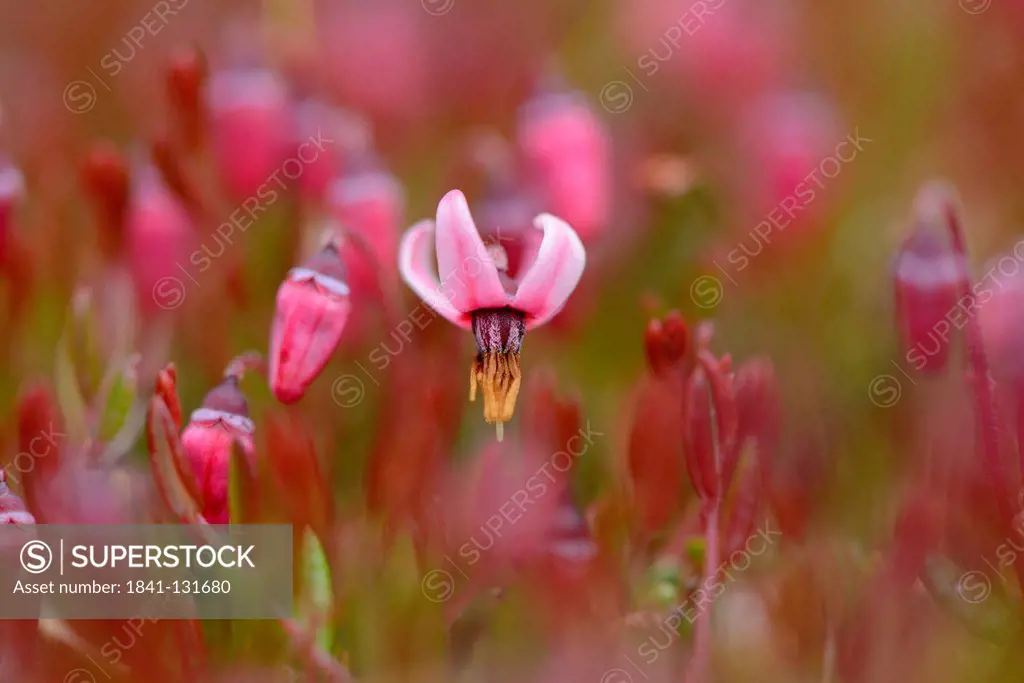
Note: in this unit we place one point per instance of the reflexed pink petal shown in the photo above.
(467, 272)
(307, 328)
(415, 255)
(554, 274)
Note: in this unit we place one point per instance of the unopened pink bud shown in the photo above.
(312, 309)
(159, 237)
(12, 187)
(926, 276)
(793, 149)
(387, 79)
(208, 440)
(567, 150)
(251, 124)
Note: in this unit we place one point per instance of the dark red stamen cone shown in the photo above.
(312, 309)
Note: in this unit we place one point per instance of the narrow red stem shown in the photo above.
(700, 665)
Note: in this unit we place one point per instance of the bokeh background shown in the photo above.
(715, 112)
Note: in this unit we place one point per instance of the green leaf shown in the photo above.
(69, 394)
(695, 548)
(119, 400)
(315, 604)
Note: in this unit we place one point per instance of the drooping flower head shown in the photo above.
(476, 289)
(208, 440)
(312, 310)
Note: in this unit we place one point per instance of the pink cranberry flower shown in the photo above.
(313, 307)
(476, 290)
(208, 439)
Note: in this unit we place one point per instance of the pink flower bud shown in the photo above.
(12, 508)
(250, 124)
(159, 237)
(388, 79)
(312, 309)
(12, 187)
(926, 277)
(788, 143)
(369, 203)
(208, 440)
(318, 121)
(721, 53)
(567, 151)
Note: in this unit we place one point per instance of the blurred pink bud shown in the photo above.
(104, 175)
(12, 508)
(368, 203)
(316, 120)
(926, 277)
(567, 152)
(159, 237)
(208, 440)
(721, 51)
(12, 187)
(313, 306)
(251, 121)
(789, 144)
(387, 79)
